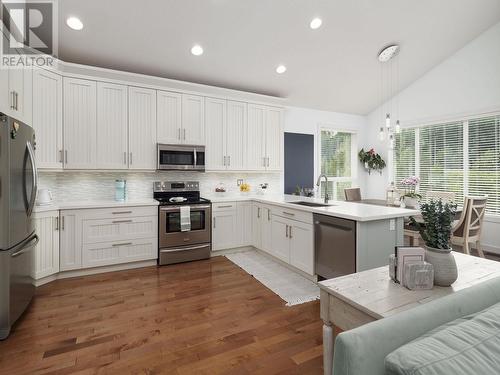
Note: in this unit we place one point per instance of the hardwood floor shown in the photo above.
(207, 317)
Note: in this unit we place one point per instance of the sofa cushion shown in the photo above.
(468, 345)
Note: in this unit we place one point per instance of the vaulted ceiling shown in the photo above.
(332, 68)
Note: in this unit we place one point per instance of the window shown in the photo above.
(462, 157)
(484, 160)
(337, 150)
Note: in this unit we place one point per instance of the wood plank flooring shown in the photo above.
(207, 317)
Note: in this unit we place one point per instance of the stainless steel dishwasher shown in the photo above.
(335, 246)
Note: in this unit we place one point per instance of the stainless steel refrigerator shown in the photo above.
(18, 187)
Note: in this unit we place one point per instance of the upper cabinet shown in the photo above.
(274, 138)
(80, 117)
(112, 126)
(142, 128)
(236, 135)
(47, 118)
(215, 122)
(193, 119)
(169, 122)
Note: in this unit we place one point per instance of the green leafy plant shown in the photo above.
(371, 160)
(438, 219)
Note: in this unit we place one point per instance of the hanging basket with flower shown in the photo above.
(371, 160)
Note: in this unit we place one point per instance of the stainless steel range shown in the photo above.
(184, 234)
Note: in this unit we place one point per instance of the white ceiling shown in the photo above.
(333, 68)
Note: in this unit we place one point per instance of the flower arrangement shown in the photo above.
(371, 160)
(410, 186)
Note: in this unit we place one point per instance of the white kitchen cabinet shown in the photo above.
(47, 250)
(80, 118)
(47, 119)
(215, 122)
(70, 240)
(293, 243)
(236, 135)
(112, 126)
(274, 138)
(142, 128)
(256, 146)
(256, 225)
(244, 223)
(301, 237)
(224, 229)
(193, 119)
(169, 122)
(266, 242)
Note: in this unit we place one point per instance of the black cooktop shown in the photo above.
(165, 201)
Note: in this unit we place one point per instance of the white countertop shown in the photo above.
(75, 205)
(347, 210)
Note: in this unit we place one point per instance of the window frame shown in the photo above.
(354, 157)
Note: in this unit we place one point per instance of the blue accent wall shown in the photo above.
(299, 161)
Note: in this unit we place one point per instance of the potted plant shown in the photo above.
(371, 160)
(410, 198)
(436, 233)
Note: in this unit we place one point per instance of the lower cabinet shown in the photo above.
(232, 225)
(103, 237)
(47, 250)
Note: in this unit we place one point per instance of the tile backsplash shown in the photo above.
(85, 185)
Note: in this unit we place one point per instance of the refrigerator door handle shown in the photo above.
(23, 246)
(34, 171)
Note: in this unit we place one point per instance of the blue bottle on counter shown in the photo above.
(120, 190)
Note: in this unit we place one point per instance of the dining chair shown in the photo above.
(445, 196)
(352, 194)
(468, 228)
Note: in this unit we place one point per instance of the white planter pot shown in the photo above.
(445, 267)
(410, 202)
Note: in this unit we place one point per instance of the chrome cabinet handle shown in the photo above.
(179, 134)
(130, 159)
(214, 223)
(227, 206)
(121, 221)
(184, 130)
(286, 231)
(258, 212)
(12, 100)
(121, 212)
(57, 223)
(224, 161)
(268, 214)
(229, 160)
(122, 244)
(288, 213)
(290, 231)
(264, 160)
(62, 222)
(65, 156)
(125, 158)
(61, 156)
(17, 101)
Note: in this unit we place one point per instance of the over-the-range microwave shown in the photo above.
(181, 158)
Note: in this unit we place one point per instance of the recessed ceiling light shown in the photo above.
(74, 23)
(197, 50)
(316, 23)
(281, 69)
(388, 53)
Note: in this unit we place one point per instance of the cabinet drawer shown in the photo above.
(119, 229)
(305, 217)
(109, 253)
(118, 212)
(225, 206)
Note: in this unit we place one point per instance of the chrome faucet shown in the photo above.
(318, 183)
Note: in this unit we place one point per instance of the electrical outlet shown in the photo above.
(239, 181)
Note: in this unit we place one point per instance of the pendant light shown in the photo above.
(386, 57)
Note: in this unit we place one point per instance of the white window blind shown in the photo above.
(484, 160)
(442, 159)
(336, 161)
(404, 155)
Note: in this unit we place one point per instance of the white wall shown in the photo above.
(307, 121)
(467, 83)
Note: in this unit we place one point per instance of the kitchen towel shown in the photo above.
(185, 218)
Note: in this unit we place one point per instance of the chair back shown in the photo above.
(471, 221)
(352, 194)
(444, 196)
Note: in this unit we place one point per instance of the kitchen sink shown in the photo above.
(311, 204)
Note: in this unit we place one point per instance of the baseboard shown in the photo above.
(491, 249)
(217, 253)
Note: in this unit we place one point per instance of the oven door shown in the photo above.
(174, 157)
(170, 234)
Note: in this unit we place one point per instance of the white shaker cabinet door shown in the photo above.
(80, 129)
(224, 230)
(256, 148)
(21, 90)
(256, 225)
(169, 124)
(280, 241)
(142, 128)
(112, 126)
(215, 122)
(302, 247)
(274, 138)
(236, 135)
(47, 249)
(266, 230)
(47, 118)
(245, 210)
(70, 241)
(193, 119)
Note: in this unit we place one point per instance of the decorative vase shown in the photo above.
(445, 267)
(410, 202)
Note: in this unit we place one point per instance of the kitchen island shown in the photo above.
(286, 228)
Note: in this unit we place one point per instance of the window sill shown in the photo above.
(492, 218)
